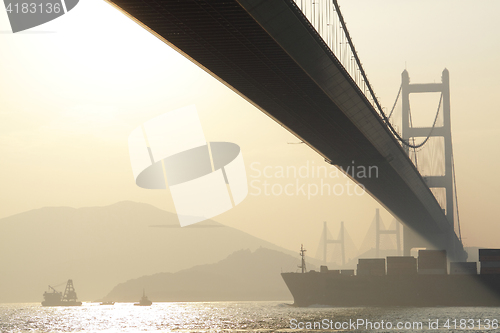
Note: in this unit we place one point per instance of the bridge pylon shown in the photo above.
(410, 238)
(340, 240)
(379, 231)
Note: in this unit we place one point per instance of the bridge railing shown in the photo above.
(325, 18)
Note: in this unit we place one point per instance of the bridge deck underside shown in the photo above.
(333, 117)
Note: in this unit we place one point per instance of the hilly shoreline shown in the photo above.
(242, 276)
(100, 247)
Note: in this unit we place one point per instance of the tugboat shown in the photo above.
(56, 298)
(144, 300)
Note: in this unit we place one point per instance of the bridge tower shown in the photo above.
(340, 240)
(410, 239)
(379, 231)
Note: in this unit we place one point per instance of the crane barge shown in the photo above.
(57, 298)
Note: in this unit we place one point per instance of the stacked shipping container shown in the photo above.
(371, 267)
(401, 265)
(432, 262)
(429, 262)
(460, 268)
(490, 261)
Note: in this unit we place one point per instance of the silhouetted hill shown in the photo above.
(242, 276)
(99, 247)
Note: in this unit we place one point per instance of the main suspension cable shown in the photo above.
(456, 194)
(413, 139)
(368, 85)
(395, 102)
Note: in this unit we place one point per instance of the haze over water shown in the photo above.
(228, 317)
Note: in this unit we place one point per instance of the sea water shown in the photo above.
(243, 317)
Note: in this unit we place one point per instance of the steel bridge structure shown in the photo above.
(296, 62)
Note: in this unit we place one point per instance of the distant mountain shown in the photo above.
(99, 247)
(242, 276)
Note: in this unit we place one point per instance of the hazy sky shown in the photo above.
(72, 90)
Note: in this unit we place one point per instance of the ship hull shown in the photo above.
(397, 290)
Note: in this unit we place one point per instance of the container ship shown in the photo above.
(401, 281)
(57, 298)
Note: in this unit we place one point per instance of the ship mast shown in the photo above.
(303, 255)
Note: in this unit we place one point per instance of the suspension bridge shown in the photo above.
(296, 62)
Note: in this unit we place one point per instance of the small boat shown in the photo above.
(107, 303)
(144, 300)
(56, 298)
